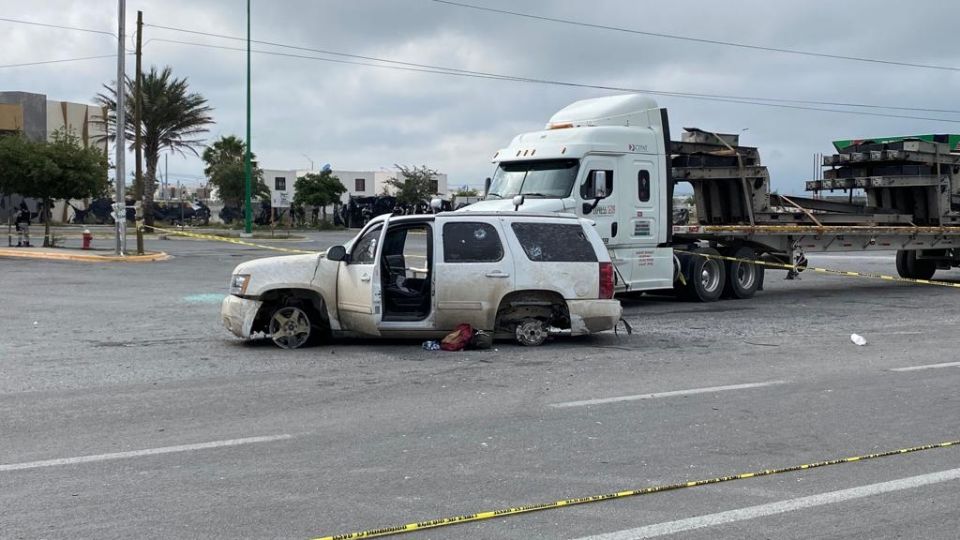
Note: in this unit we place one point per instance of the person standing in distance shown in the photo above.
(23, 225)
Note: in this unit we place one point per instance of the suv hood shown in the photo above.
(279, 272)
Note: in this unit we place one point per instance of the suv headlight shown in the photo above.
(238, 284)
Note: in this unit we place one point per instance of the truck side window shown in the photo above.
(588, 190)
(643, 186)
(366, 249)
(466, 242)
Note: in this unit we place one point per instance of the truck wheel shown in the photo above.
(531, 332)
(910, 267)
(290, 327)
(743, 279)
(705, 276)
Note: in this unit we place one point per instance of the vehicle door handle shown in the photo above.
(497, 274)
(365, 277)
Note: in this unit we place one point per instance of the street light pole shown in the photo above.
(248, 169)
(120, 204)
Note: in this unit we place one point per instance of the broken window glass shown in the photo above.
(554, 242)
(471, 242)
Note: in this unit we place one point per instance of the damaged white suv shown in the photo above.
(527, 276)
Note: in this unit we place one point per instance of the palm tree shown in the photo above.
(229, 148)
(171, 119)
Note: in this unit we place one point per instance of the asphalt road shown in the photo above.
(127, 411)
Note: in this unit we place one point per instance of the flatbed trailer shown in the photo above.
(612, 160)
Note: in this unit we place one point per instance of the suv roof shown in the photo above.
(462, 216)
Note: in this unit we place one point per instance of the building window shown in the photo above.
(434, 186)
(280, 183)
(360, 184)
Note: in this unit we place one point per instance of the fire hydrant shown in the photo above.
(87, 238)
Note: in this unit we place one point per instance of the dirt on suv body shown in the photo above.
(527, 276)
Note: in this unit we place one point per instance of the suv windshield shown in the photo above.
(548, 178)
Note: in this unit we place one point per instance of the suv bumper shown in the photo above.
(592, 316)
(238, 314)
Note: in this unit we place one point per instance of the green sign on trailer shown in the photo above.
(952, 140)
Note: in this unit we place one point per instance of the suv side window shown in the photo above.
(467, 242)
(552, 242)
(366, 249)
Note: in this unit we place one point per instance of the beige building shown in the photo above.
(40, 118)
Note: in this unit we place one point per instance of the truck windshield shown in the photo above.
(547, 178)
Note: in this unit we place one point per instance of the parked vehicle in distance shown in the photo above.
(527, 276)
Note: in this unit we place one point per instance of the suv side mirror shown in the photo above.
(337, 253)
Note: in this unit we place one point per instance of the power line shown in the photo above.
(696, 39)
(494, 76)
(78, 29)
(57, 61)
(518, 78)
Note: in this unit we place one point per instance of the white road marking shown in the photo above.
(928, 366)
(141, 453)
(858, 257)
(753, 512)
(672, 393)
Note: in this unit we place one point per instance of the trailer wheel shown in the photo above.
(705, 276)
(743, 279)
(910, 267)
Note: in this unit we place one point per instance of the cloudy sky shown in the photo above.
(367, 118)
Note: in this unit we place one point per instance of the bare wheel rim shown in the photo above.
(710, 275)
(746, 275)
(289, 327)
(531, 332)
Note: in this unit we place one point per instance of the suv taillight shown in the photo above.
(606, 280)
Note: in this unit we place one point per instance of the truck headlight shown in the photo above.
(238, 284)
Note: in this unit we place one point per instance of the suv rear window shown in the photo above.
(553, 242)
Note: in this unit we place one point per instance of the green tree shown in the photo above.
(465, 191)
(171, 119)
(414, 184)
(230, 179)
(225, 170)
(228, 149)
(59, 169)
(318, 190)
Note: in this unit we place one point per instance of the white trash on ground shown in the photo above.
(858, 339)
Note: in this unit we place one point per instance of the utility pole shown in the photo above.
(248, 170)
(120, 204)
(137, 120)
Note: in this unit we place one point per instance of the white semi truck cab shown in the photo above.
(606, 159)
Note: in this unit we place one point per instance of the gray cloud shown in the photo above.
(365, 118)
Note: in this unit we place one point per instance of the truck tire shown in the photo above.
(704, 276)
(910, 267)
(743, 279)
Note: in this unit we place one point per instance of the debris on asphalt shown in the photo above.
(431, 345)
(858, 339)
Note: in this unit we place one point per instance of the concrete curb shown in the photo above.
(26, 253)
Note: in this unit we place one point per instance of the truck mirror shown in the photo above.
(486, 186)
(337, 253)
(517, 202)
(599, 184)
(436, 204)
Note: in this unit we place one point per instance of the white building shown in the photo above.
(358, 183)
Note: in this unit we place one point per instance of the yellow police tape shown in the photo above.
(797, 268)
(443, 522)
(222, 239)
